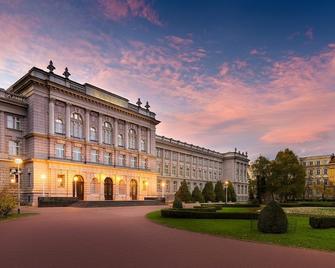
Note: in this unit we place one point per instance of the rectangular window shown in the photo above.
(107, 158)
(166, 169)
(13, 148)
(167, 186)
(159, 185)
(76, 153)
(175, 186)
(133, 162)
(174, 170)
(122, 160)
(175, 156)
(318, 163)
(325, 171)
(318, 172)
(94, 156)
(181, 171)
(60, 181)
(59, 150)
(167, 154)
(13, 122)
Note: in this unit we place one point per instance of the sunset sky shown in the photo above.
(256, 75)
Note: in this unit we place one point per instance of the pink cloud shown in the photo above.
(257, 52)
(121, 9)
(178, 42)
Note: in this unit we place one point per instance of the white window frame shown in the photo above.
(59, 150)
(94, 156)
(76, 153)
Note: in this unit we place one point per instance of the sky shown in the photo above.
(255, 75)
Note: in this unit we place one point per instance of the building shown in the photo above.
(320, 175)
(80, 140)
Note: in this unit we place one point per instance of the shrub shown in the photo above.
(322, 222)
(231, 192)
(272, 219)
(196, 214)
(219, 192)
(183, 192)
(197, 195)
(7, 202)
(177, 203)
(208, 192)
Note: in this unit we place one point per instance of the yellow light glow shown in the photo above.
(18, 161)
(226, 183)
(12, 180)
(146, 183)
(43, 177)
(163, 184)
(75, 178)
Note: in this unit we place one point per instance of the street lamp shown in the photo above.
(43, 178)
(18, 162)
(226, 189)
(75, 185)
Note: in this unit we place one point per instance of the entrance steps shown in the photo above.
(116, 203)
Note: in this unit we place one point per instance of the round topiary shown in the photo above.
(177, 203)
(272, 219)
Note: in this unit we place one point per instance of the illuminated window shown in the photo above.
(132, 139)
(76, 125)
(122, 160)
(107, 158)
(120, 140)
(133, 162)
(93, 134)
(76, 153)
(142, 144)
(94, 156)
(159, 185)
(59, 150)
(107, 133)
(13, 122)
(13, 148)
(59, 126)
(60, 181)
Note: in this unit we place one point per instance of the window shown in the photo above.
(311, 163)
(144, 163)
(167, 154)
(167, 186)
(318, 163)
(175, 186)
(174, 170)
(175, 156)
(59, 150)
(318, 172)
(311, 172)
(200, 173)
(181, 171)
(76, 125)
(187, 172)
(76, 153)
(159, 185)
(122, 160)
(120, 141)
(194, 173)
(94, 186)
(60, 180)
(166, 169)
(132, 139)
(13, 148)
(142, 145)
(107, 129)
(325, 171)
(133, 162)
(107, 158)
(13, 122)
(93, 134)
(94, 156)
(59, 126)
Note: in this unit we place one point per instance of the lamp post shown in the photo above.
(18, 162)
(43, 178)
(75, 185)
(226, 189)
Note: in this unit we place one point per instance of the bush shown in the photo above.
(177, 203)
(7, 202)
(272, 219)
(322, 222)
(219, 192)
(309, 204)
(231, 192)
(196, 214)
(183, 192)
(236, 205)
(197, 195)
(208, 192)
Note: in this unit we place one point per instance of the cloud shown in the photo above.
(177, 42)
(257, 52)
(118, 10)
(309, 33)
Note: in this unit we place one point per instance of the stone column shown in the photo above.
(100, 129)
(126, 134)
(87, 125)
(148, 141)
(51, 116)
(68, 120)
(115, 133)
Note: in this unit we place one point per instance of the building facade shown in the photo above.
(80, 140)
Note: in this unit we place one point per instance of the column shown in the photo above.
(148, 141)
(87, 125)
(115, 133)
(100, 129)
(126, 134)
(51, 117)
(68, 120)
(139, 138)
(2, 131)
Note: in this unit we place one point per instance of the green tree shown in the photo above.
(208, 192)
(261, 170)
(219, 192)
(231, 195)
(7, 202)
(287, 176)
(183, 192)
(197, 195)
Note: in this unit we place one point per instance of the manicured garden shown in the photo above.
(299, 233)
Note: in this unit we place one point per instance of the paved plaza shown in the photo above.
(123, 237)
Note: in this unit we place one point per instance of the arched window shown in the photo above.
(120, 141)
(76, 125)
(107, 131)
(132, 139)
(94, 186)
(142, 145)
(59, 126)
(93, 134)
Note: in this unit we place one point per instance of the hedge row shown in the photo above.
(236, 205)
(202, 209)
(308, 204)
(322, 222)
(195, 214)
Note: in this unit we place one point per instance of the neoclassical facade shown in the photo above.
(80, 140)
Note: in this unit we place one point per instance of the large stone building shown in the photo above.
(80, 140)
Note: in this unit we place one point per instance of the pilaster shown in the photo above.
(68, 120)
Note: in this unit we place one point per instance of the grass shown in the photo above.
(300, 234)
(15, 216)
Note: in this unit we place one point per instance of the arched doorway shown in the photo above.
(133, 190)
(78, 187)
(108, 189)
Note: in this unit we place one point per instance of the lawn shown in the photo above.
(300, 234)
(15, 216)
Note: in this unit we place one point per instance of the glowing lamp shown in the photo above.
(18, 161)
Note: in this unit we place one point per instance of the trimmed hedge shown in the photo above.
(200, 214)
(272, 219)
(308, 204)
(322, 222)
(220, 206)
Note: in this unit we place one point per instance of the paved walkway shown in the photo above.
(123, 237)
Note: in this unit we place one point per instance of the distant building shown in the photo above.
(80, 140)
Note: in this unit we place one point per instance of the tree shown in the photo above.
(287, 178)
(272, 219)
(261, 169)
(197, 195)
(183, 192)
(208, 192)
(7, 202)
(231, 195)
(219, 192)
(177, 203)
